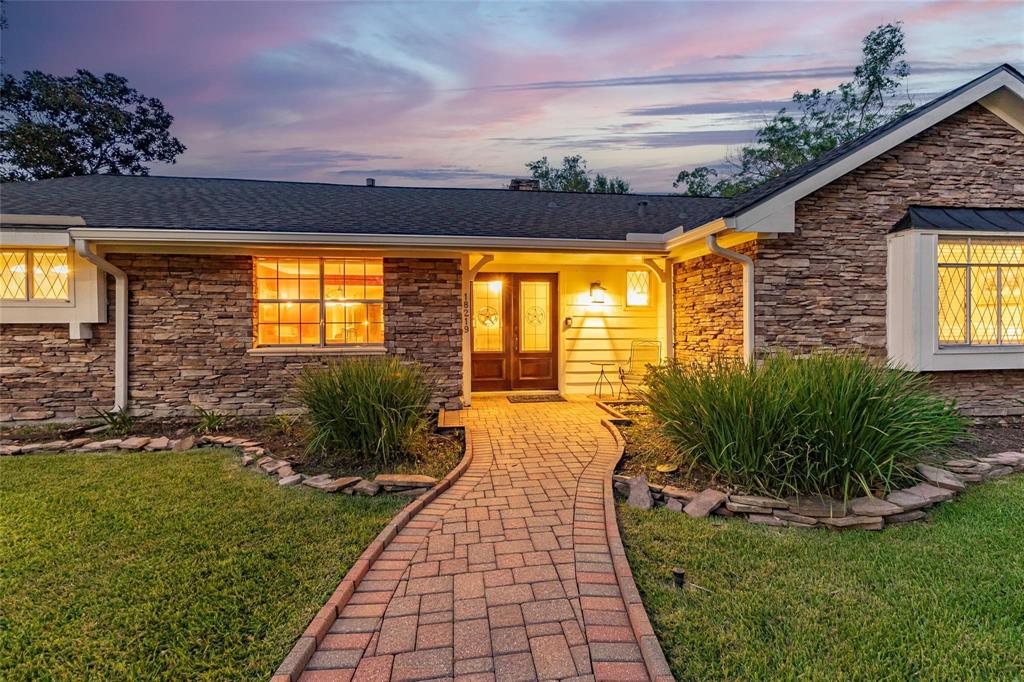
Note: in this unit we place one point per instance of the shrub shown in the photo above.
(373, 407)
(831, 423)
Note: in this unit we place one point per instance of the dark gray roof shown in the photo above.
(216, 204)
(982, 219)
(778, 184)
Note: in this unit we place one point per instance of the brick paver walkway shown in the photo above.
(506, 576)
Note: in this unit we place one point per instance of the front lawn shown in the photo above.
(165, 565)
(935, 601)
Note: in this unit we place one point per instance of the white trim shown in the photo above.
(316, 350)
(33, 219)
(150, 236)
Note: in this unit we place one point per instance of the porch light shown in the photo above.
(596, 292)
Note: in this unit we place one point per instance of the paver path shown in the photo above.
(507, 575)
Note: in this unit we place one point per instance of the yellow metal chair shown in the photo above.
(642, 354)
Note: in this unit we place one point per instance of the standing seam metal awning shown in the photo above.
(980, 219)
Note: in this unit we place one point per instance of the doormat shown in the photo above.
(536, 398)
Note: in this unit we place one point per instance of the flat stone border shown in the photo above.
(865, 513)
(294, 664)
(654, 658)
(254, 456)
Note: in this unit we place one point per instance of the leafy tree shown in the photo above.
(823, 120)
(573, 176)
(53, 127)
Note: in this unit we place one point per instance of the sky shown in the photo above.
(464, 94)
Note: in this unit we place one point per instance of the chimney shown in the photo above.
(524, 184)
(641, 208)
(370, 182)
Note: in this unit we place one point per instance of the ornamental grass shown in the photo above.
(371, 409)
(835, 423)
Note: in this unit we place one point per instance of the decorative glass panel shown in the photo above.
(984, 305)
(299, 305)
(980, 298)
(50, 276)
(952, 305)
(487, 316)
(953, 251)
(13, 275)
(638, 288)
(1013, 304)
(535, 316)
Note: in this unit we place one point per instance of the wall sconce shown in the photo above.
(596, 292)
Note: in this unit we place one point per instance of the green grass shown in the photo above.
(164, 566)
(936, 601)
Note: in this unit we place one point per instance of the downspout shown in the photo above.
(120, 321)
(748, 292)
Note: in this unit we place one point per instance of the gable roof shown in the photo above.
(153, 202)
(881, 135)
(980, 219)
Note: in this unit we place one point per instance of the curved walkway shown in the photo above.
(514, 573)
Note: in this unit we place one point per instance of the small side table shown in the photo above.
(603, 377)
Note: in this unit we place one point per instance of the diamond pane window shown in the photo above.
(30, 274)
(980, 292)
(638, 288)
(319, 301)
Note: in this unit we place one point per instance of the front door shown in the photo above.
(514, 334)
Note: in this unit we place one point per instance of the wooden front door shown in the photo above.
(515, 333)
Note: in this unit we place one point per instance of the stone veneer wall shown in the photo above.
(825, 284)
(190, 325)
(709, 307)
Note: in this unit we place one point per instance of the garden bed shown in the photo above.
(434, 455)
(646, 447)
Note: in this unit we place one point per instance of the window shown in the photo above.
(638, 288)
(980, 292)
(319, 301)
(34, 275)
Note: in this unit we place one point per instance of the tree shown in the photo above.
(823, 120)
(53, 127)
(573, 176)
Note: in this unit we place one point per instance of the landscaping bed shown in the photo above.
(165, 565)
(936, 601)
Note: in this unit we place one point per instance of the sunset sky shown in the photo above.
(463, 94)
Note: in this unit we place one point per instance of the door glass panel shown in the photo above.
(487, 323)
(535, 317)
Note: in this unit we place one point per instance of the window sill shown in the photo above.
(317, 350)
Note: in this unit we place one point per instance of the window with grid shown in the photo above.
(319, 301)
(34, 275)
(981, 292)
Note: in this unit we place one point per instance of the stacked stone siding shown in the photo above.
(825, 284)
(709, 307)
(190, 329)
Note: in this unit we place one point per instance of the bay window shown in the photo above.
(319, 301)
(980, 292)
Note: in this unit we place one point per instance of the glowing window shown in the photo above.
(981, 292)
(34, 275)
(488, 329)
(319, 301)
(638, 288)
